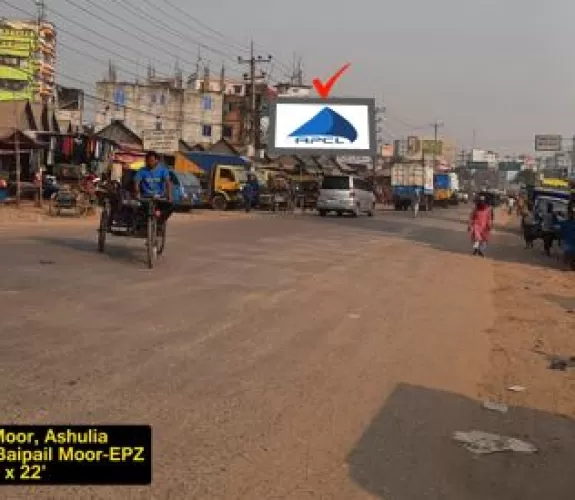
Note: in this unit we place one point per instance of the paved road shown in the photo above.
(275, 356)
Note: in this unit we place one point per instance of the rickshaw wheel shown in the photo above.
(81, 205)
(162, 239)
(102, 230)
(52, 208)
(151, 242)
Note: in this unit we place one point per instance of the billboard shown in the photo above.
(430, 147)
(342, 126)
(478, 156)
(166, 142)
(548, 143)
(418, 147)
(17, 66)
(386, 151)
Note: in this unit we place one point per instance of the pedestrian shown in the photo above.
(251, 192)
(567, 233)
(415, 202)
(480, 224)
(548, 223)
(510, 205)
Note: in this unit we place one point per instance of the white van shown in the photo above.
(345, 194)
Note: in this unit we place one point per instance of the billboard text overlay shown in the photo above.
(75, 455)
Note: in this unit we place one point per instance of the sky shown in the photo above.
(499, 70)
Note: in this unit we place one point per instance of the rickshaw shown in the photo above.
(124, 215)
(74, 193)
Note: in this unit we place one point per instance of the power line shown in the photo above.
(197, 21)
(101, 47)
(152, 43)
(142, 14)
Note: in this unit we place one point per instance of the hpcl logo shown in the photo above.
(326, 127)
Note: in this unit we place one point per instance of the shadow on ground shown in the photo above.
(116, 247)
(408, 453)
(507, 245)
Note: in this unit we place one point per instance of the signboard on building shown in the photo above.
(342, 126)
(164, 142)
(548, 143)
(478, 156)
(387, 151)
(430, 147)
(416, 147)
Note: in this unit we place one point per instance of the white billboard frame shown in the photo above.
(304, 110)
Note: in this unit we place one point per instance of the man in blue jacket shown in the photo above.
(251, 192)
(153, 181)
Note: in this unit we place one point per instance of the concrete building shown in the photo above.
(194, 110)
(27, 60)
(235, 108)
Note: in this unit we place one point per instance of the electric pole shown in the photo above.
(436, 126)
(254, 122)
(379, 117)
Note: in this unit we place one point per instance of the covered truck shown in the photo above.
(406, 178)
(443, 190)
(222, 176)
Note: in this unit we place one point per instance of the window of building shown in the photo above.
(207, 130)
(228, 107)
(207, 102)
(227, 132)
(238, 89)
(163, 99)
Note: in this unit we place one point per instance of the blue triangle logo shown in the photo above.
(327, 123)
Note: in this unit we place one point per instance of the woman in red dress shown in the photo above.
(480, 224)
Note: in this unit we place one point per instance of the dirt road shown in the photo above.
(296, 357)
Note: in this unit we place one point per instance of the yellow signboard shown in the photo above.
(555, 183)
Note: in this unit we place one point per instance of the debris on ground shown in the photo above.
(500, 407)
(354, 316)
(561, 364)
(517, 388)
(482, 443)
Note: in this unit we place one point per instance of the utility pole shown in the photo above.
(436, 126)
(379, 111)
(18, 167)
(253, 61)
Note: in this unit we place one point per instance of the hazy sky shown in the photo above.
(502, 67)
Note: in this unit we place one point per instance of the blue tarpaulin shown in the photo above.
(442, 181)
(207, 161)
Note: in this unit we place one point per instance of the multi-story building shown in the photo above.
(27, 59)
(234, 113)
(194, 110)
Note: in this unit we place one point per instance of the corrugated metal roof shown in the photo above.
(207, 161)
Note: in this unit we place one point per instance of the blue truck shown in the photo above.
(406, 178)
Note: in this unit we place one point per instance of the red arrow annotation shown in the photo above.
(324, 89)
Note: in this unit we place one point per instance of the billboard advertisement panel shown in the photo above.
(478, 156)
(549, 143)
(418, 147)
(342, 126)
(17, 64)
